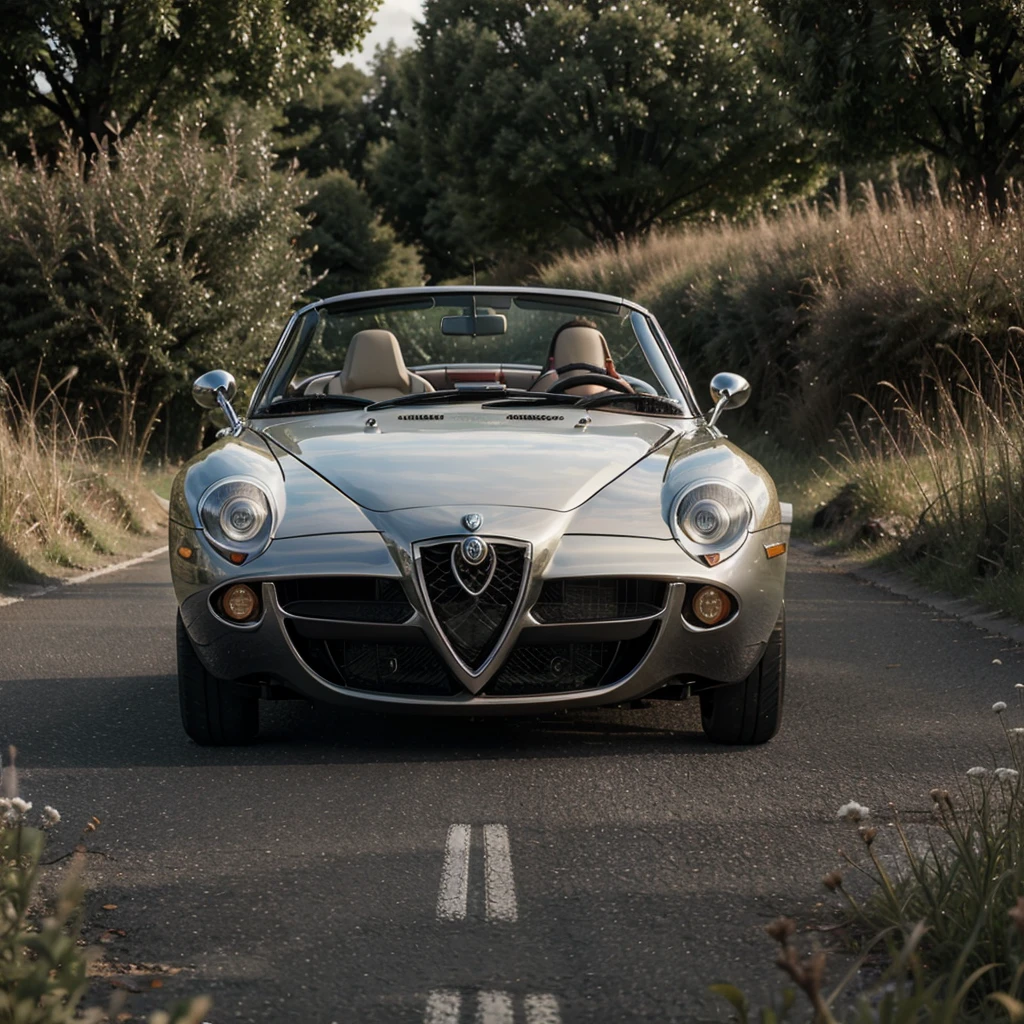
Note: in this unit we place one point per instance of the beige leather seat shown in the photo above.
(574, 344)
(374, 369)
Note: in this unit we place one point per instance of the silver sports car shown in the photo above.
(474, 500)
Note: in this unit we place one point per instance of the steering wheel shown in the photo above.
(604, 380)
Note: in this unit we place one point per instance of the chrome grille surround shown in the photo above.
(474, 628)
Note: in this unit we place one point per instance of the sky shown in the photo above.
(394, 21)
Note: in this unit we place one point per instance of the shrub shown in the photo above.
(162, 257)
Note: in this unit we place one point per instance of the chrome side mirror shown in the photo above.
(214, 389)
(728, 391)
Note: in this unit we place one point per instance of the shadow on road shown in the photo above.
(111, 723)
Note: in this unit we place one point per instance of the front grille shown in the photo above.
(345, 598)
(398, 669)
(597, 600)
(533, 669)
(473, 624)
(555, 668)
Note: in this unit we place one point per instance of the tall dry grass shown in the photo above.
(824, 301)
(948, 462)
(59, 503)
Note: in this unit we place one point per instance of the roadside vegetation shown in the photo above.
(66, 502)
(45, 965)
(938, 895)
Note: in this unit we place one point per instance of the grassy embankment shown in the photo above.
(66, 503)
(816, 307)
(881, 338)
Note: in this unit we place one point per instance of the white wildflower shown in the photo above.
(51, 815)
(853, 811)
(1019, 686)
(977, 774)
(1006, 775)
(21, 806)
(9, 775)
(999, 707)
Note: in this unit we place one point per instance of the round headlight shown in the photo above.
(707, 522)
(242, 518)
(712, 516)
(237, 515)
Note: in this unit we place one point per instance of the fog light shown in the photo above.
(240, 603)
(710, 605)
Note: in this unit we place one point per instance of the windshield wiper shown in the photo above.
(655, 404)
(312, 403)
(461, 394)
(524, 399)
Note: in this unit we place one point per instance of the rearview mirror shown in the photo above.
(214, 389)
(485, 323)
(205, 388)
(728, 391)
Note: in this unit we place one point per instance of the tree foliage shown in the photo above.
(887, 76)
(343, 114)
(517, 120)
(91, 62)
(350, 248)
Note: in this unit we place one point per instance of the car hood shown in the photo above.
(413, 460)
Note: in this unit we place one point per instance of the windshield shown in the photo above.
(495, 344)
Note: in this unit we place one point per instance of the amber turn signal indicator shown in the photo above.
(185, 552)
(711, 605)
(713, 559)
(237, 557)
(774, 550)
(240, 603)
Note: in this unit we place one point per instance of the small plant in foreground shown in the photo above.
(946, 898)
(43, 968)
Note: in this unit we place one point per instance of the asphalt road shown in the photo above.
(599, 866)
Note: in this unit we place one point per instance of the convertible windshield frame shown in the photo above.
(651, 338)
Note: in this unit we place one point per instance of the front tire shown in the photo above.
(750, 711)
(213, 712)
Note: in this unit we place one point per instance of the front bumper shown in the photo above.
(667, 649)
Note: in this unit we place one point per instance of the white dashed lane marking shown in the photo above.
(444, 1006)
(542, 1009)
(499, 886)
(494, 1008)
(453, 898)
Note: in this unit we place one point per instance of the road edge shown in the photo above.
(901, 585)
(84, 577)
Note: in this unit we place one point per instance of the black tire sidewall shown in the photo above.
(213, 712)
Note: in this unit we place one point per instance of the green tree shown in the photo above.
(519, 120)
(351, 250)
(90, 63)
(341, 116)
(883, 77)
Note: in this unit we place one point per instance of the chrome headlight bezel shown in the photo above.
(713, 497)
(234, 492)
